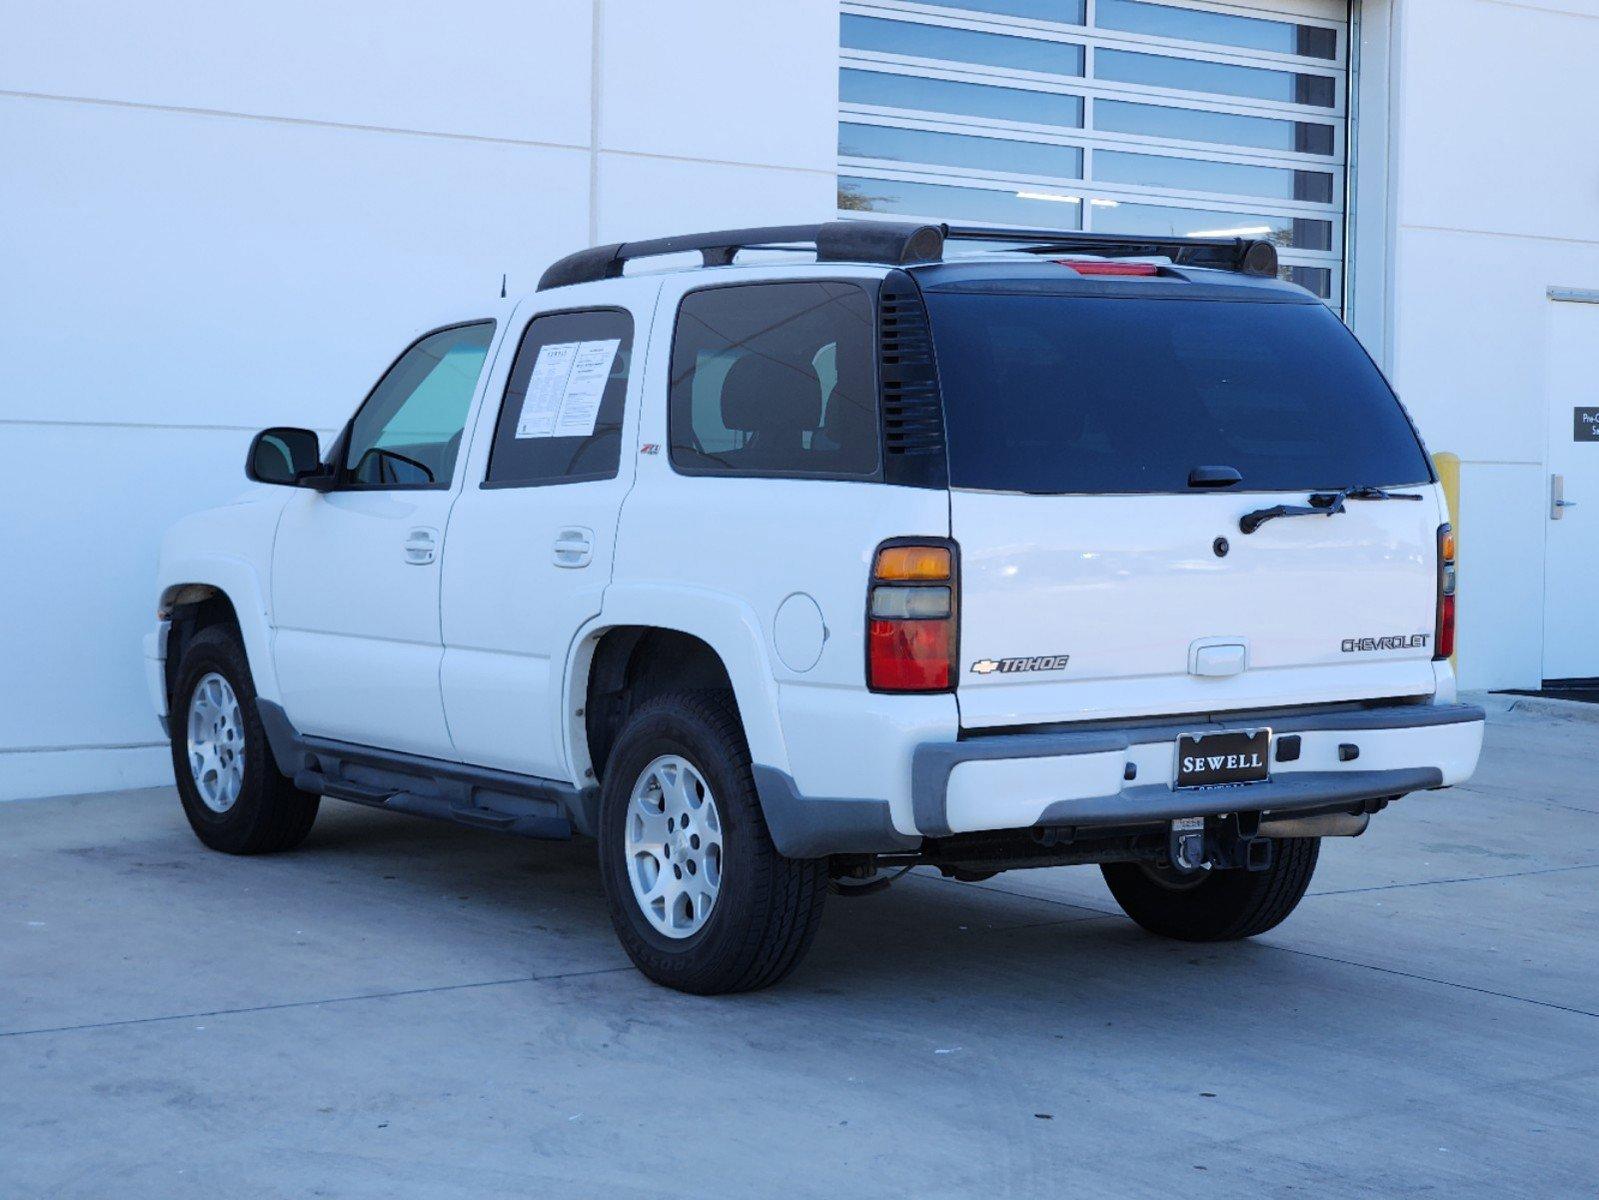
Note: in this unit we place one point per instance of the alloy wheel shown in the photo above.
(673, 843)
(216, 743)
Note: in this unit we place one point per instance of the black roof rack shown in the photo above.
(899, 243)
(894, 242)
(1249, 256)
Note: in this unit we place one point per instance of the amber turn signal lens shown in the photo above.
(912, 562)
(1448, 547)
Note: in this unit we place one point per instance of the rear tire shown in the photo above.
(1218, 906)
(232, 793)
(744, 916)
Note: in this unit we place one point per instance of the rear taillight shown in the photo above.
(1443, 642)
(910, 618)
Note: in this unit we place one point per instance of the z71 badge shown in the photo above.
(1011, 666)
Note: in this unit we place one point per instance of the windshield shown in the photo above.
(1074, 394)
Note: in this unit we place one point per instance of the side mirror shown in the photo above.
(284, 455)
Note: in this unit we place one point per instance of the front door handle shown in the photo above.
(574, 547)
(1557, 498)
(421, 546)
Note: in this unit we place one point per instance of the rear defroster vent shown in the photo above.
(913, 416)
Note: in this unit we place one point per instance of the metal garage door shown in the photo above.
(1179, 117)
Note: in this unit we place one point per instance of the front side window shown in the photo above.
(561, 421)
(408, 433)
(775, 379)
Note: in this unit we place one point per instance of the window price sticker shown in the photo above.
(564, 392)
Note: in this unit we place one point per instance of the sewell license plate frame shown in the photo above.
(1223, 758)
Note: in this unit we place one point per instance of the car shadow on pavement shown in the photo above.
(924, 931)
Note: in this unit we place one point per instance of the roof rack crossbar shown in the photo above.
(1249, 256)
(898, 243)
(893, 242)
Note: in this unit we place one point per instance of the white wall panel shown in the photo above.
(490, 68)
(34, 774)
(1500, 105)
(725, 80)
(79, 596)
(1499, 638)
(207, 270)
(1471, 310)
(650, 197)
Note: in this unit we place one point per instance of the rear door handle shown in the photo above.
(574, 547)
(421, 546)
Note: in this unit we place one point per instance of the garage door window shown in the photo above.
(1123, 116)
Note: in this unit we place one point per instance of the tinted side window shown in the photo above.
(562, 417)
(775, 379)
(408, 433)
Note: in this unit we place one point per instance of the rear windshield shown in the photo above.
(1058, 394)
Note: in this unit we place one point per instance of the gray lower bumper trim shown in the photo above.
(814, 827)
(932, 763)
(1288, 793)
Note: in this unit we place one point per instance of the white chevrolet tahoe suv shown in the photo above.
(779, 577)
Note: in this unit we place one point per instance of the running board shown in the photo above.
(481, 797)
(339, 789)
(540, 818)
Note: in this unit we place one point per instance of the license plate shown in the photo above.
(1237, 756)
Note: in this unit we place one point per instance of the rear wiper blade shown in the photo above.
(1368, 492)
(1321, 505)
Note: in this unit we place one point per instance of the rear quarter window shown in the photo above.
(1074, 394)
(775, 379)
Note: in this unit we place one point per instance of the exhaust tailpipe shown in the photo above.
(1318, 825)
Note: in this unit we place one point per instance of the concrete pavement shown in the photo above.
(402, 1008)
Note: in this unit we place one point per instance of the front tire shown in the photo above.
(699, 896)
(1218, 906)
(233, 795)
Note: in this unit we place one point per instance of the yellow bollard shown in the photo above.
(1448, 466)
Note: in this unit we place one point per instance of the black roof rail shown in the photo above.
(896, 243)
(899, 243)
(1249, 256)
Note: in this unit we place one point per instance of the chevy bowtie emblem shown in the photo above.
(1010, 666)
